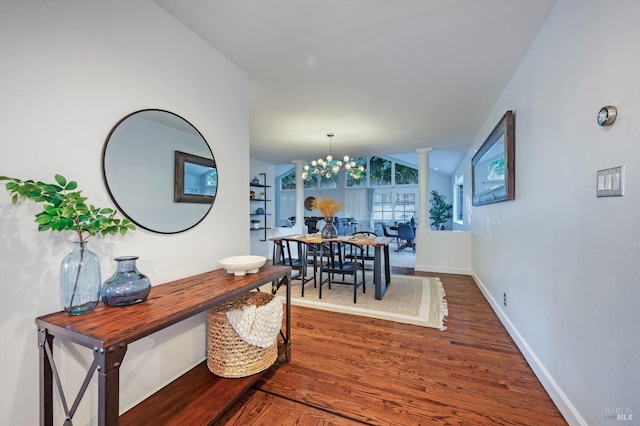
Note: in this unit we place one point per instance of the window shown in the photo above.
(362, 176)
(288, 181)
(406, 175)
(329, 182)
(391, 207)
(404, 207)
(382, 208)
(287, 205)
(311, 182)
(380, 171)
(458, 201)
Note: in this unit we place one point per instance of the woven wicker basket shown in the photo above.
(227, 354)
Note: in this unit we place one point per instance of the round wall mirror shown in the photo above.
(159, 171)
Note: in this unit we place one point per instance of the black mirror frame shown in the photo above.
(179, 196)
(506, 127)
(141, 222)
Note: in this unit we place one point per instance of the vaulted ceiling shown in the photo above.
(385, 76)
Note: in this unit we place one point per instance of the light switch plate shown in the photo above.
(610, 182)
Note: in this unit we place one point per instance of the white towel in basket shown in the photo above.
(258, 326)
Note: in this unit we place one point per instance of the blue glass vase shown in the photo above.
(127, 286)
(80, 280)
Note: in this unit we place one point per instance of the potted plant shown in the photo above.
(65, 209)
(255, 223)
(440, 211)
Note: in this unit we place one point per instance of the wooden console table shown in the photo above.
(107, 331)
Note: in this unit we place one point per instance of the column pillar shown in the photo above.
(299, 193)
(423, 187)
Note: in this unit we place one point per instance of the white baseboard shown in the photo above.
(568, 410)
(443, 269)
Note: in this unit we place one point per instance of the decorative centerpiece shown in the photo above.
(328, 208)
(65, 209)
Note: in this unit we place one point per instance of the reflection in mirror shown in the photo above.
(139, 170)
(493, 166)
(196, 179)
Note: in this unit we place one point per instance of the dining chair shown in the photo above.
(293, 253)
(336, 264)
(316, 252)
(407, 235)
(312, 224)
(386, 233)
(369, 251)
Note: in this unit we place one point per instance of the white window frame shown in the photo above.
(458, 200)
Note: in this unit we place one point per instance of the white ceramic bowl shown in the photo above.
(241, 265)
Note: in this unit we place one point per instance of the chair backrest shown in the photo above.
(291, 252)
(385, 231)
(366, 233)
(336, 259)
(368, 250)
(317, 249)
(313, 225)
(405, 232)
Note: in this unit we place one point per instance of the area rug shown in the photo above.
(409, 299)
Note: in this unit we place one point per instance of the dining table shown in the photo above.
(380, 254)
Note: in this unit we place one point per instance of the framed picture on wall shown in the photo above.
(493, 166)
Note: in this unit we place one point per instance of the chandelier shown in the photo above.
(330, 167)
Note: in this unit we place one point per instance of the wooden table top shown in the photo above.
(167, 304)
(361, 240)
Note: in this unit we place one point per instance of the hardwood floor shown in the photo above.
(350, 370)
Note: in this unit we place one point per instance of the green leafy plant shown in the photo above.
(255, 220)
(65, 209)
(440, 211)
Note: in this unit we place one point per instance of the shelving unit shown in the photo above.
(197, 397)
(260, 202)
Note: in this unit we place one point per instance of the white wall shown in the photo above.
(70, 70)
(443, 251)
(568, 261)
